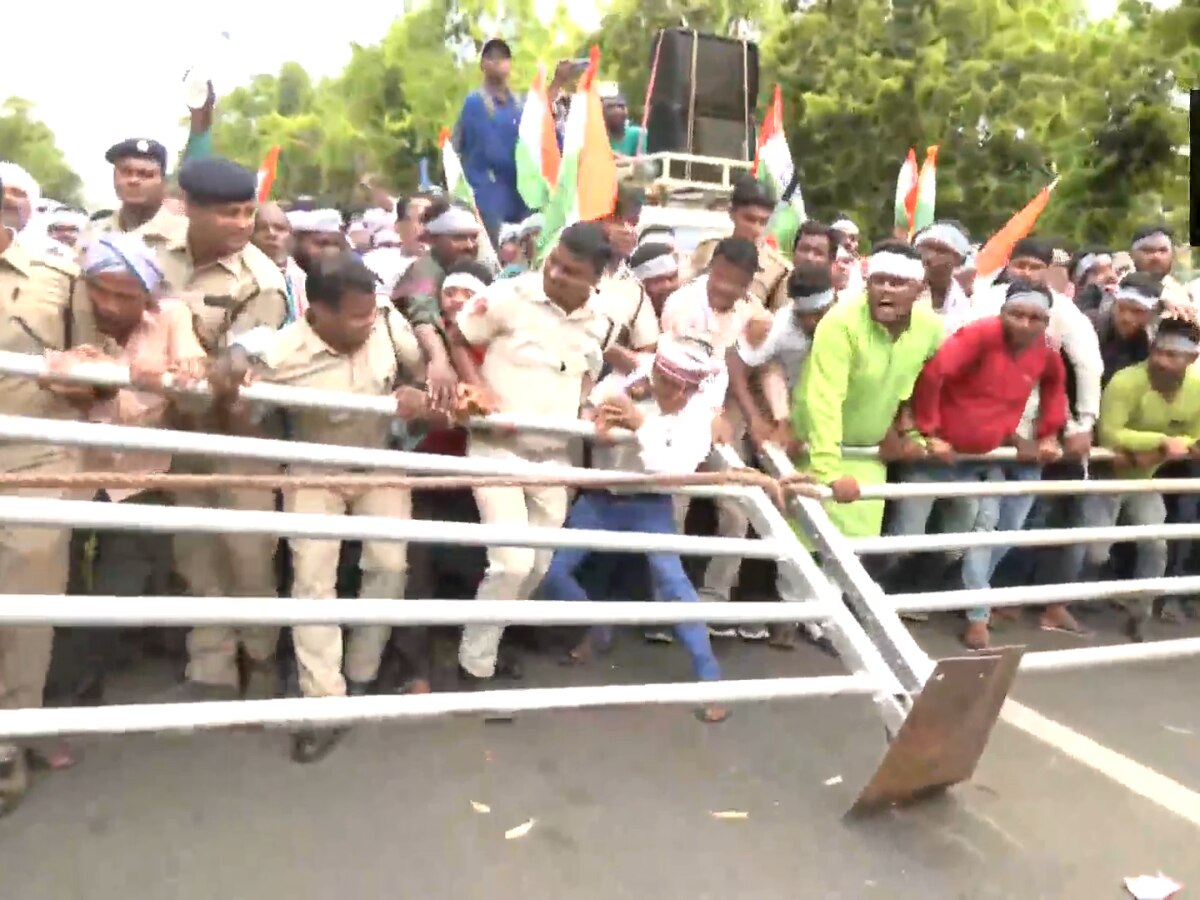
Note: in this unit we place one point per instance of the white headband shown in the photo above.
(656, 267)
(845, 226)
(1089, 262)
(1037, 298)
(944, 233)
(1174, 341)
(464, 280)
(813, 302)
(1144, 243)
(15, 176)
(455, 220)
(1133, 295)
(895, 264)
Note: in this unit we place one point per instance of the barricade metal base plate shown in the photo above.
(946, 731)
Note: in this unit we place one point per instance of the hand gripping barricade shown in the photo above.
(951, 730)
(940, 716)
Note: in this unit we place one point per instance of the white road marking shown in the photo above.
(1130, 774)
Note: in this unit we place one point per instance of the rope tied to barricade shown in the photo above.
(777, 489)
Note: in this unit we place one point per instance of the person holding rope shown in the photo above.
(351, 341)
(673, 432)
(544, 344)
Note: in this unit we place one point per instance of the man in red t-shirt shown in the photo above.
(970, 400)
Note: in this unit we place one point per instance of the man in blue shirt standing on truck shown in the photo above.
(486, 140)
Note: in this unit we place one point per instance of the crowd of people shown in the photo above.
(820, 348)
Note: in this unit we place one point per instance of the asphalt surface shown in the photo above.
(621, 800)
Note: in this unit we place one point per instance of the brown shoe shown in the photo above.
(977, 637)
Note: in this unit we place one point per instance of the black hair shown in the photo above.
(1021, 286)
(100, 214)
(749, 191)
(813, 227)
(1146, 231)
(629, 202)
(1182, 327)
(437, 206)
(1143, 283)
(587, 240)
(647, 252)
(901, 248)
(805, 283)
(329, 278)
(656, 229)
(738, 252)
(1078, 257)
(472, 267)
(1033, 248)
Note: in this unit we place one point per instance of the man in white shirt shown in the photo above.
(660, 403)
(944, 247)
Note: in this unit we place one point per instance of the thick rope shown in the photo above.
(776, 489)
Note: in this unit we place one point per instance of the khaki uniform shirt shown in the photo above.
(538, 359)
(227, 297)
(297, 356)
(624, 301)
(769, 285)
(35, 317)
(162, 228)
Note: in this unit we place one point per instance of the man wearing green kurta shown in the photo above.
(865, 358)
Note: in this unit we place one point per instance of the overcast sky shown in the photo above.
(99, 73)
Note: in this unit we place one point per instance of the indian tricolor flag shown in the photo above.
(926, 190)
(773, 166)
(456, 180)
(906, 194)
(587, 178)
(538, 158)
(266, 174)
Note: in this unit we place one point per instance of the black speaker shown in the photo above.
(703, 97)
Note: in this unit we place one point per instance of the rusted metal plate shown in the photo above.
(946, 732)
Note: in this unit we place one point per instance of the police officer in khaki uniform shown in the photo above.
(354, 342)
(230, 287)
(544, 345)
(35, 316)
(750, 208)
(140, 180)
(620, 295)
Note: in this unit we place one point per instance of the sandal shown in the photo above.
(713, 714)
(314, 746)
(14, 779)
(56, 759)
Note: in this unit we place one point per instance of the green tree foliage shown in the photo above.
(388, 105)
(30, 144)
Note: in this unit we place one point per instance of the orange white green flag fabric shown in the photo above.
(456, 180)
(538, 156)
(587, 177)
(923, 215)
(993, 256)
(773, 165)
(266, 174)
(906, 193)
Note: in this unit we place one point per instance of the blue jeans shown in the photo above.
(991, 514)
(650, 513)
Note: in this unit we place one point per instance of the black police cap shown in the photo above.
(142, 148)
(215, 179)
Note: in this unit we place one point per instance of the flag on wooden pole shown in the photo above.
(538, 157)
(773, 165)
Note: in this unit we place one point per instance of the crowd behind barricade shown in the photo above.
(819, 351)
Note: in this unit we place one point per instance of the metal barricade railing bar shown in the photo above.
(1002, 454)
(112, 375)
(115, 611)
(910, 490)
(313, 712)
(885, 630)
(1035, 595)
(44, 513)
(1037, 537)
(126, 438)
(1082, 657)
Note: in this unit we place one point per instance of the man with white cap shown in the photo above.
(35, 316)
(672, 431)
(316, 234)
(865, 358)
(386, 258)
(65, 225)
(944, 246)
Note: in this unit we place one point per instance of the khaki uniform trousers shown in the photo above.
(314, 562)
(226, 565)
(513, 573)
(32, 561)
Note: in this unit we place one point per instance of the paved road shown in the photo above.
(622, 802)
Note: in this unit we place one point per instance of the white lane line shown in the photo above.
(1130, 774)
